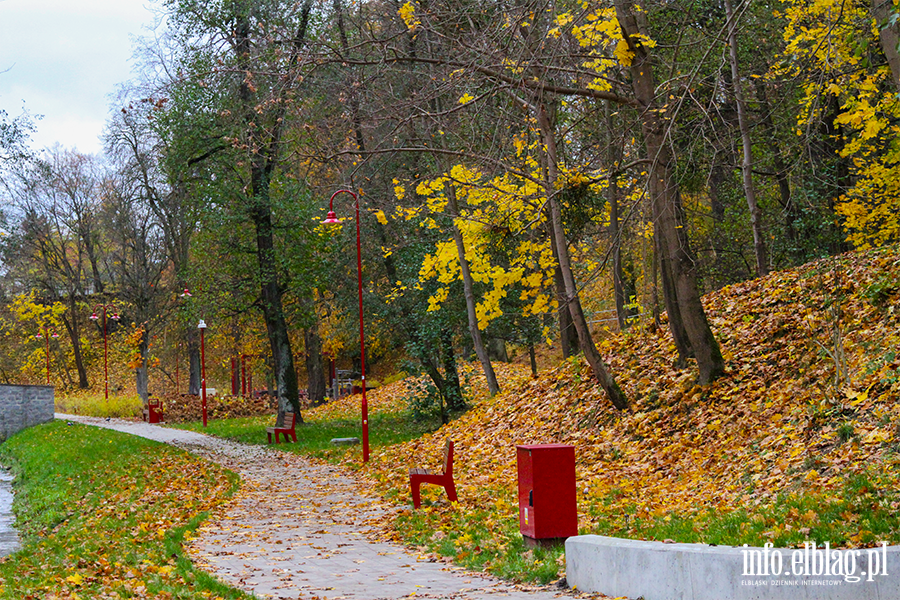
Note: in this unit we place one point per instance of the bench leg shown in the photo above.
(294, 435)
(269, 433)
(414, 484)
(276, 436)
(451, 491)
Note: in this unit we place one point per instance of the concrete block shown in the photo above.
(350, 441)
(23, 406)
(659, 571)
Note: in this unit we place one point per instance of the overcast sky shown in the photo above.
(63, 59)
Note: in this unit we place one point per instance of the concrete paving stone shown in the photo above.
(299, 528)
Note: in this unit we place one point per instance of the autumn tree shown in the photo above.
(61, 245)
(246, 54)
(160, 153)
(137, 253)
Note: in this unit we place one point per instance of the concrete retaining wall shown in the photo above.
(658, 571)
(23, 406)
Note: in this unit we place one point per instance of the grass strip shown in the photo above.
(96, 405)
(314, 435)
(103, 514)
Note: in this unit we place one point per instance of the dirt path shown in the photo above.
(302, 529)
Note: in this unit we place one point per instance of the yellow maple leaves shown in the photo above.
(828, 35)
(407, 12)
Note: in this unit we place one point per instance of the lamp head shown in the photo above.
(185, 294)
(331, 219)
(94, 317)
(201, 324)
(54, 335)
(115, 316)
(39, 336)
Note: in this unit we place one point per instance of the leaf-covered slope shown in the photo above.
(778, 423)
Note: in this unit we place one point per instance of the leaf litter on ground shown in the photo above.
(801, 426)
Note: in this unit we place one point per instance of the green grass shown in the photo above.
(476, 539)
(103, 513)
(314, 437)
(862, 513)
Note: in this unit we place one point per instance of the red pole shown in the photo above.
(105, 355)
(47, 354)
(332, 218)
(362, 340)
(203, 370)
(115, 317)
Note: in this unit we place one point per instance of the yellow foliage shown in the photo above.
(29, 312)
(624, 53)
(407, 12)
(827, 35)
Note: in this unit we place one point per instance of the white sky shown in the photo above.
(63, 59)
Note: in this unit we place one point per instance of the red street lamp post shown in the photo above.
(114, 317)
(332, 219)
(202, 327)
(46, 334)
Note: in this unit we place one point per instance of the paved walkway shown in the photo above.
(302, 529)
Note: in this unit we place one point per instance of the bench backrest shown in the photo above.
(448, 457)
(289, 420)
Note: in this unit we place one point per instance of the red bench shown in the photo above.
(445, 479)
(288, 432)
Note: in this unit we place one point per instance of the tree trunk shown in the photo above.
(92, 259)
(667, 211)
(75, 336)
(496, 348)
(759, 240)
(599, 368)
(273, 313)
(780, 164)
(615, 233)
(469, 292)
(716, 182)
(532, 358)
(889, 36)
(654, 292)
(61, 360)
(616, 242)
(670, 298)
(141, 375)
(264, 148)
(193, 348)
(315, 369)
(568, 336)
(453, 392)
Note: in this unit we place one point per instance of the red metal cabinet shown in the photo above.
(547, 503)
(154, 411)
